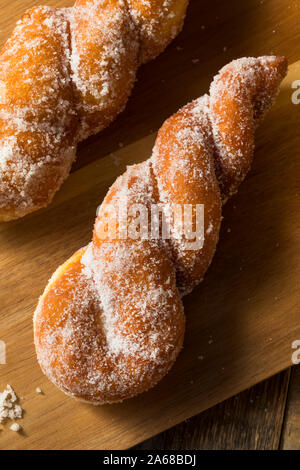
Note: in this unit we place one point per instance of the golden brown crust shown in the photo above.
(105, 357)
(105, 48)
(37, 122)
(240, 96)
(159, 22)
(110, 323)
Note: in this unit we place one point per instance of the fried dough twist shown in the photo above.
(110, 323)
(65, 74)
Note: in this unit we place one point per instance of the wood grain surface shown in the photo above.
(242, 320)
(291, 431)
(251, 420)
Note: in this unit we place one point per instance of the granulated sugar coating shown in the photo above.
(110, 323)
(65, 74)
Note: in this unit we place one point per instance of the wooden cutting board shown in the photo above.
(243, 318)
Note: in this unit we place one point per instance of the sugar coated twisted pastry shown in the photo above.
(65, 73)
(110, 323)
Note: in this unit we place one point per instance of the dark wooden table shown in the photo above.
(265, 417)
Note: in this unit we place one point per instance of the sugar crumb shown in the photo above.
(15, 427)
(9, 408)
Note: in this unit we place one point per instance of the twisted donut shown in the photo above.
(65, 74)
(110, 323)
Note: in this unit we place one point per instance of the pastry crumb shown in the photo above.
(15, 427)
(9, 409)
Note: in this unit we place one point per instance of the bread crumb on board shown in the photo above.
(15, 427)
(9, 408)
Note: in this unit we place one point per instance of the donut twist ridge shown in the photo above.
(110, 323)
(65, 74)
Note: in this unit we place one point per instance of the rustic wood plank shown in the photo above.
(243, 318)
(251, 420)
(291, 431)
